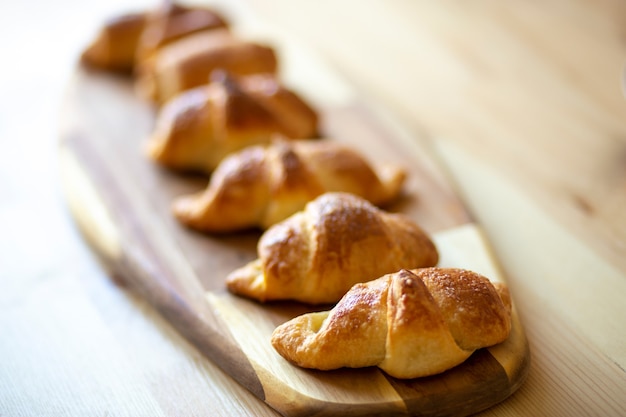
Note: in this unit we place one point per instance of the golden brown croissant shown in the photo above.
(317, 255)
(198, 128)
(262, 185)
(409, 323)
(132, 39)
(171, 22)
(113, 49)
(188, 62)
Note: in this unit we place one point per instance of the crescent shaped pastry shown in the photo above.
(199, 127)
(263, 185)
(188, 62)
(317, 255)
(130, 40)
(114, 47)
(171, 22)
(410, 324)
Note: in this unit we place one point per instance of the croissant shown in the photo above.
(317, 255)
(113, 49)
(188, 62)
(410, 324)
(171, 22)
(263, 185)
(131, 39)
(198, 128)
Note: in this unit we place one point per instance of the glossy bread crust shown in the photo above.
(410, 324)
(171, 22)
(130, 41)
(263, 185)
(189, 62)
(317, 255)
(113, 48)
(198, 128)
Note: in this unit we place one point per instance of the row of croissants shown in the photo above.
(222, 111)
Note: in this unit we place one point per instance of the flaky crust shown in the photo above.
(189, 62)
(263, 185)
(317, 255)
(410, 324)
(198, 128)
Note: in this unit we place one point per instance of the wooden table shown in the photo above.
(522, 103)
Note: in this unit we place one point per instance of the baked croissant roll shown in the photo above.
(188, 63)
(410, 324)
(317, 255)
(131, 39)
(198, 128)
(113, 49)
(171, 22)
(263, 185)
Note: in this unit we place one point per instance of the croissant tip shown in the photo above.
(248, 281)
(393, 179)
(183, 209)
(156, 148)
(151, 149)
(396, 177)
(86, 57)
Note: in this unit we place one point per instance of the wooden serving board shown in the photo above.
(121, 201)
